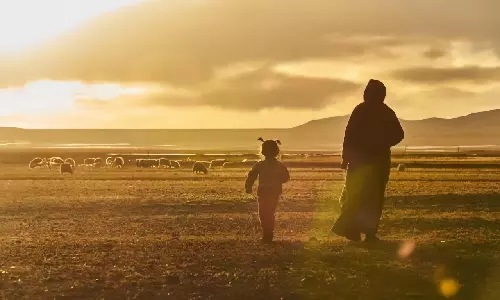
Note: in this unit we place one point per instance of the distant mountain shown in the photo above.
(481, 128)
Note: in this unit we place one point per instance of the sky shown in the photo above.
(241, 64)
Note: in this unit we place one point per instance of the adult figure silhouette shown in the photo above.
(372, 130)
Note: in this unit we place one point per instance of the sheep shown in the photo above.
(88, 161)
(401, 168)
(217, 163)
(205, 163)
(175, 164)
(66, 168)
(138, 162)
(70, 161)
(200, 167)
(56, 161)
(147, 163)
(165, 163)
(156, 163)
(38, 162)
(97, 162)
(35, 162)
(119, 162)
(109, 161)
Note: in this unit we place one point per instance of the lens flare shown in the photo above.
(406, 249)
(449, 287)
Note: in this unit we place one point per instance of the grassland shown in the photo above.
(129, 234)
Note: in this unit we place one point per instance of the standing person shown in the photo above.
(372, 130)
(271, 174)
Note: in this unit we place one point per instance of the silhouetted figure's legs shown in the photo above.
(267, 210)
(362, 210)
(372, 200)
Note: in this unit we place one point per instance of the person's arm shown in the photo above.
(251, 177)
(350, 136)
(286, 175)
(395, 132)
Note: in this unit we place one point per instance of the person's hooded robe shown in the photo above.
(372, 130)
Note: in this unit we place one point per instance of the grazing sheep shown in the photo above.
(119, 162)
(200, 167)
(175, 164)
(38, 162)
(35, 162)
(89, 161)
(165, 163)
(56, 161)
(217, 163)
(147, 163)
(205, 163)
(97, 162)
(66, 168)
(401, 168)
(70, 161)
(109, 161)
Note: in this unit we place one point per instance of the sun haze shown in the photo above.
(24, 23)
(226, 63)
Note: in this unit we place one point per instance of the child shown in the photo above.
(272, 174)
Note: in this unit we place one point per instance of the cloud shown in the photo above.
(434, 53)
(228, 54)
(445, 102)
(250, 91)
(266, 89)
(184, 42)
(429, 75)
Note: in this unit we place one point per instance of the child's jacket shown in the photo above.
(271, 173)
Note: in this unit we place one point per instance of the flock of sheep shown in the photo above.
(68, 165)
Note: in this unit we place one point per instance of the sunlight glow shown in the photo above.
(449, 287)
(24, 23)
(406, 249)
(46, 96)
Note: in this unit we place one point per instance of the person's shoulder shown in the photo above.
(360, 106)
(257, 165)
(359, 109)
(389, 109)
(280, 163)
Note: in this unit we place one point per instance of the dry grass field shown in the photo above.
(130, 234)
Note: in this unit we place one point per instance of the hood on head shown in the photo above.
(375, 91)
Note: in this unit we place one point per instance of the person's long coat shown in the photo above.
(372, 130)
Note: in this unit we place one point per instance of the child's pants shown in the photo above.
(267, 209)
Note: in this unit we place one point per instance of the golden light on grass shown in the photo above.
(449, 287)
(406, 249)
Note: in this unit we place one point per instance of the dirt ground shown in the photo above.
(169, 234)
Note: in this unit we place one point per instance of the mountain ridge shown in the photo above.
(478, 128)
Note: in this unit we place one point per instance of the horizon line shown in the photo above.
(252, 128)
